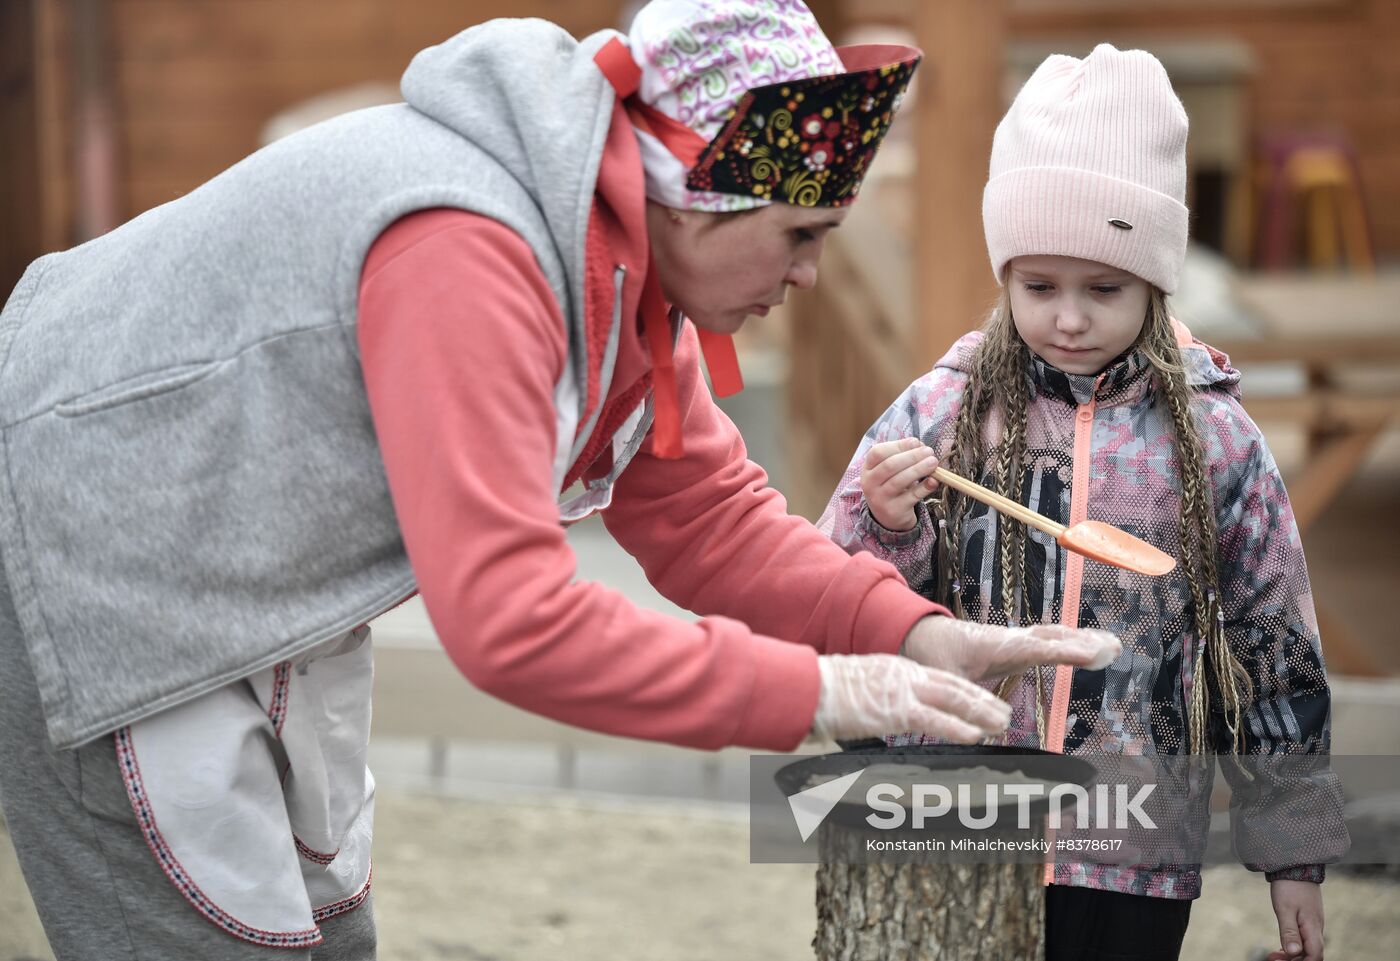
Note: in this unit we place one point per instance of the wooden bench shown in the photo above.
(1334, 327)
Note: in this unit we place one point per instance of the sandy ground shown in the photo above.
(481, 881)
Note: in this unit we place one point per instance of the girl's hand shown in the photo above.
(894, 478)
(1298, 907)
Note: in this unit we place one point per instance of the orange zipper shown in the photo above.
(1074, 578)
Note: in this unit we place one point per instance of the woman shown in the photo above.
(369, 360)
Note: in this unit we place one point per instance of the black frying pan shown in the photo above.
(855, 755)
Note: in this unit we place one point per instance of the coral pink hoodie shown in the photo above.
(461, 344)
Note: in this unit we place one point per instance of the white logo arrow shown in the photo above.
(810, 807)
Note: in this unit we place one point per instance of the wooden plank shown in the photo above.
(221, 84)
(1340, 648)
(160, 147)
(142, 195)
(1327, 409)
(807, 491)
(1098, 14)
(198, 81)
(1327, 471)
(893, 12)
(432, 21)
(1342, 350)
(834, 17)
(287, 29)
(1157, 7)
(252, 30)
(99, 192)
(20, 207)
(880, 260)
(958, 105)
(54, 88)
(1303, 307)
(854, 310)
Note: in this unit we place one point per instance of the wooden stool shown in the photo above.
(1317, 177)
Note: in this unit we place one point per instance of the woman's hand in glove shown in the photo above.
(983, 652)
(870, 695)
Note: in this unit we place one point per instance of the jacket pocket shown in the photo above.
(140, 387)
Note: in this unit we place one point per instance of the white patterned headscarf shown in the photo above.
(699, 57)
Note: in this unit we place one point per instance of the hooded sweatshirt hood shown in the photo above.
(531, 96)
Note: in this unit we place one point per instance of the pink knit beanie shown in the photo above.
(1090, 162)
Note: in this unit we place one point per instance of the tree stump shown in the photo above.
(922, 912)
(906, 891)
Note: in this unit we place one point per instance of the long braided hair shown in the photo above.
(997, 392)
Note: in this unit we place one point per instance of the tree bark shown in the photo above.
(922, 912)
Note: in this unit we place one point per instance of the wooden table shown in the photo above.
(1331, 325)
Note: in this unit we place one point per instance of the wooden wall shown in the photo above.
(19, 161)
(190, 84)
(196, 81)
(37, 204)
(1320, 63)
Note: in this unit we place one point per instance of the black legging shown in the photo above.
(1082, 924)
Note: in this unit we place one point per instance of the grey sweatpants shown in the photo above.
(98, 888)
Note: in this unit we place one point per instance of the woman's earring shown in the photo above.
(674, 214)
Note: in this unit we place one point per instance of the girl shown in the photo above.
(1082, 397)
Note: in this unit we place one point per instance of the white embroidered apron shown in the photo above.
(256, 799)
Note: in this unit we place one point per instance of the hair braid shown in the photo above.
(1214, 663)
(996, 383)
(1010, 532)
(967, 452)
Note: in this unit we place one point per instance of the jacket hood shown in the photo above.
(1206, 367)
(530, 95)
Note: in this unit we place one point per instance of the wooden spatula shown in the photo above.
(1094, 539)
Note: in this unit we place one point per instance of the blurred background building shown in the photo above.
(111, 107)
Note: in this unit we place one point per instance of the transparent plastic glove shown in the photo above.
(983, 652)
(869, 695)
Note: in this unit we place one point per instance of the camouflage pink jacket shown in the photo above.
(1100, 447)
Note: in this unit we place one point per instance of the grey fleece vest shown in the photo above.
(190, 485)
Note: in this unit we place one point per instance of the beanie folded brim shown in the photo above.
(1068, 211)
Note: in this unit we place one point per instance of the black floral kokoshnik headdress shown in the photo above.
(809, 142)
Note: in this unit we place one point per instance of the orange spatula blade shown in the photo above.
(1106, 543)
